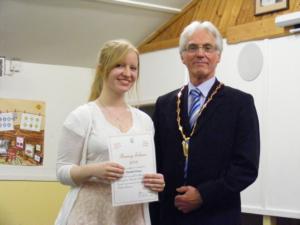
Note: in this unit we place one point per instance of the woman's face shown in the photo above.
(122, 77)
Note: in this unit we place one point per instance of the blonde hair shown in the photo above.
(111, 54)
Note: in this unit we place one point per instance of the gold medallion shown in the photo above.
(185, 148)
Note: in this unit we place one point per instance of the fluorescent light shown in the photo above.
(288, 19)
(143, 5)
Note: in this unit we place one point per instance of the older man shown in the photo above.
(207, 139)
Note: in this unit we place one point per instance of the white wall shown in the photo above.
(160, 72)
(62, 88)
(276, 93)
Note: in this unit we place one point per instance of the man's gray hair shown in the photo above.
(198, 25)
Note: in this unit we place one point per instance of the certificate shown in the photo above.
(136, 153)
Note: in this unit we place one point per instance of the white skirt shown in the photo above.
(93, 206)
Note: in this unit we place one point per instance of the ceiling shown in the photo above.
(71, 32)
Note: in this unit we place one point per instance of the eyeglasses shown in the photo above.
(194, 48)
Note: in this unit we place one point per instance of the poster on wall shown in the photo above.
(22, 124)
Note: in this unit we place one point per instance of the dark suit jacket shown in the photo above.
(223, 156)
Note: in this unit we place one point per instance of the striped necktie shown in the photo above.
(195, 105)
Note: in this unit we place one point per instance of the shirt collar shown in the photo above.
(203, 87)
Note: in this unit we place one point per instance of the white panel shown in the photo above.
(227, 72)
(62, 88)
(284, 125)
(276, 94)
(160, 72)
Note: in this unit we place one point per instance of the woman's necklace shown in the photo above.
(117, 119)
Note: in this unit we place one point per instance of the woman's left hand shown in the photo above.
(154, 181)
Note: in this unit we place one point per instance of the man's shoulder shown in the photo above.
(169, 96)
(235, 93)
(237, 97)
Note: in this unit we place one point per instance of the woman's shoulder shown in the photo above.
(142, 116)
(79, 118)
(139, 113)
(83, 111)
(143, 119)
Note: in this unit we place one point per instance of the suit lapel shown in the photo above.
(211, 107)
(184, 111)
(206, 114)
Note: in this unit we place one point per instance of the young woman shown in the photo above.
(83, 160)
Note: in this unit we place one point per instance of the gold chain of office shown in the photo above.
(186, 138)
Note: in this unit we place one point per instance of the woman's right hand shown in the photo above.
(108, 171)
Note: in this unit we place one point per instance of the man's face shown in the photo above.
(201, 56)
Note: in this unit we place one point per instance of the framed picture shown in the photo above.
(20, 142)
(38, 148)
(4, 146)
(267, 6)
(29, 150)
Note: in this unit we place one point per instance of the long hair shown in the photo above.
(111, 54)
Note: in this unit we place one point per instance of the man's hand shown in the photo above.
(188, 200)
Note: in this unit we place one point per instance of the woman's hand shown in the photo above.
(154, 182)
(108, 171)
